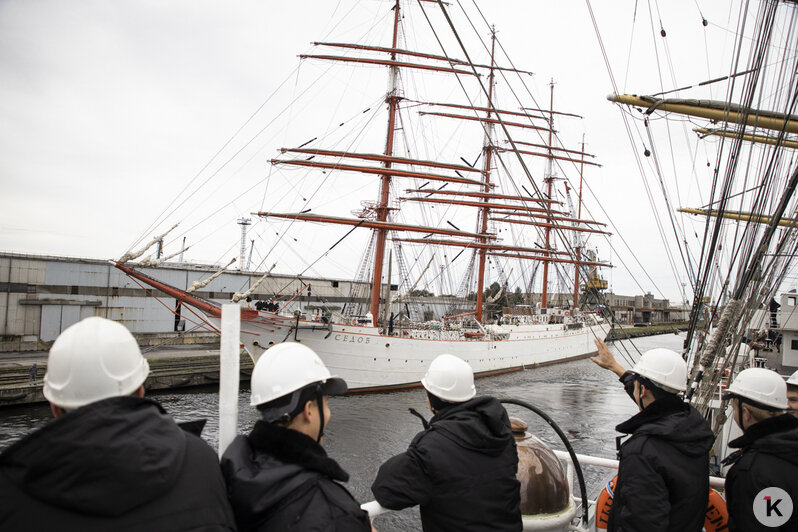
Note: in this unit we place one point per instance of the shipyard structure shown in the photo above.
(40, 296)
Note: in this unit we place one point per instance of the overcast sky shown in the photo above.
(109, 109)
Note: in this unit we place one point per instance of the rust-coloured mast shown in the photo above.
(482, 253)
(526, 199)
(392, 99)
(554, 148)
(381, 158)
(487, 109)
(377, 170)
(545, 260)
(393, 63)
(579, 215)
(501, 206)
(411, 53)
(487, 120)
(369, 224)
(549, 179)
(507, 219)
(551, 156)
(477, 245)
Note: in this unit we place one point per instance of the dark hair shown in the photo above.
(437, 403)
(655, 390)
(308, 393)
(756, 404)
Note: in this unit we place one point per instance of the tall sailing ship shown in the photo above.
(374, 342)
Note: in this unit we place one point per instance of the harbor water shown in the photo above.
(365, 430)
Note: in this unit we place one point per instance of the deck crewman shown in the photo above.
(279, 477)
(663, 474)
(762, 483)
(111, 459)
(461, 470)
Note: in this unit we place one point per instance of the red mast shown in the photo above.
(549, 179)
(485, 210)
(578, 216)
(392, 99)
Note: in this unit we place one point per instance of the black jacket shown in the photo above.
(118, 464)
(663, 475)
(461, 471)
(280, 479)
(768, 458)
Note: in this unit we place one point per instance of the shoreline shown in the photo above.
(172, 367)
(177, 367)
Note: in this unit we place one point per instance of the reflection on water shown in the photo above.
(365, 430)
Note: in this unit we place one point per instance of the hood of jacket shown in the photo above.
(673, 420)
(271, 463)
(776, 435)
(480, 424)
(104, 459)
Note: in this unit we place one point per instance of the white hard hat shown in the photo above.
(665, 368)
(760, 385)
(793, 380)
(287, 368)
(93, 359)
(450, 378)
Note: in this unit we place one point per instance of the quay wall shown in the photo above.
(169, 372)
(628, 331)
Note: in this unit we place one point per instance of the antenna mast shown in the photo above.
(244, 223)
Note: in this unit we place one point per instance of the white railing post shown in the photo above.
(229, 358)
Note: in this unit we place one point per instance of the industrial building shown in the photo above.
(40, 296)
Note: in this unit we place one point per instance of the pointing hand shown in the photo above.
(606, 360)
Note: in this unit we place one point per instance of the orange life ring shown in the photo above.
(604, 503)
(716, 518)
(567, 312)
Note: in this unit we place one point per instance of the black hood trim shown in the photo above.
(672, 420)
(106, 458)
(55, 426)
(293, 447)
(766, 427)
(670, 404)
(480, 424)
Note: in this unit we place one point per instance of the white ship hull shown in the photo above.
(370, 361)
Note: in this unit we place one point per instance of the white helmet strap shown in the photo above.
(640, 383)
(740, 412)
(320, 403)
(755, 404)
(287, 407)
(286, 412)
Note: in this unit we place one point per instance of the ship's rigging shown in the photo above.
(528, 210)
(738, 261)
(522, 234)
